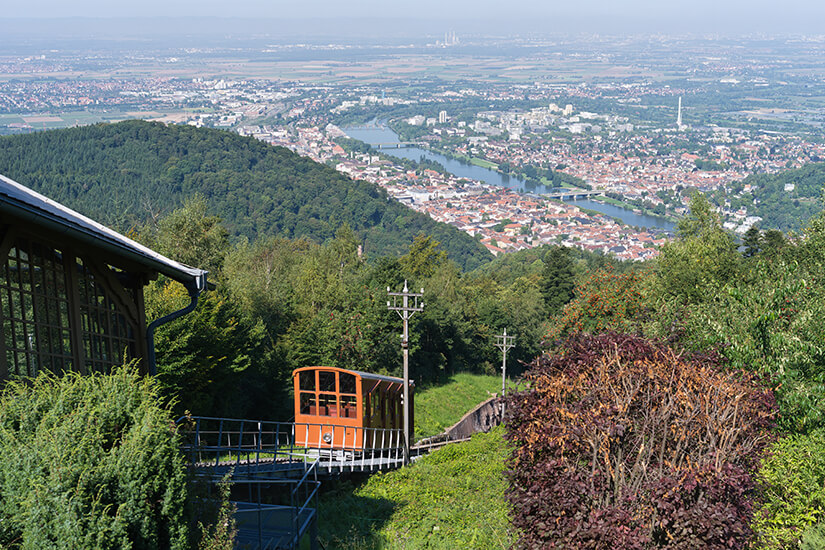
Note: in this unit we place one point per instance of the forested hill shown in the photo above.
(786, 210)
(122, 174)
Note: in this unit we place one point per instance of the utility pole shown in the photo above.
(504, 342)
(405, 311)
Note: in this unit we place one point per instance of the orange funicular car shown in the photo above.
(346, 409)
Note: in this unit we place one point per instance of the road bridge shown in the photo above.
(571, 193)
(398, 144)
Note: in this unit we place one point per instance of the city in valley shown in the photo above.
(593, 141)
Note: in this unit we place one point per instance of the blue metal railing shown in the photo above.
(222, 442)
(273, 457)
(260, 457)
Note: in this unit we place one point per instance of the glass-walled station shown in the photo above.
(71, 290)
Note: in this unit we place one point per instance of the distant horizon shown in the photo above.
(400, 27)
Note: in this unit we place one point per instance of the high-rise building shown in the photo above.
(442, 117)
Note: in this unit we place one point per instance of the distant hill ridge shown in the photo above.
(124, 173)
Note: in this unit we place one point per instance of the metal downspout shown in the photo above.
(195, 290)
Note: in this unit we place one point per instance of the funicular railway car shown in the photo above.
(348, 410)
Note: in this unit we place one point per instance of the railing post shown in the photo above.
(363, 447)
(260, 522)
(240, 445)
(197, 448)
(294, 517)
(381, 456)
(259, 444)
(218, 446)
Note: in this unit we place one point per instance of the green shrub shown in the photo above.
(813, 538)
(90, 462)
(793, 478)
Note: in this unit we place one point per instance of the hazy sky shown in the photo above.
(413, 8)
(739, 15)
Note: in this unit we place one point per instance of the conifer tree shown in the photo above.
(752, 242)
(557, 278)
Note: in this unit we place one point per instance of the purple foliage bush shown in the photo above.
(623, 443)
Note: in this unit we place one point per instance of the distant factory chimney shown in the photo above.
(679, 114)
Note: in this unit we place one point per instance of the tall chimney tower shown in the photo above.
(679, 114)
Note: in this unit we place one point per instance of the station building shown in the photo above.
(71, 289)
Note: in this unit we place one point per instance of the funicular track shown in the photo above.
(276, 468)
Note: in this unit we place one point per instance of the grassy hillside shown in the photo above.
(439, 407)
(128, 173)
(453, 498)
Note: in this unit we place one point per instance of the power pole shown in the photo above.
(405, 311)
(504, 342)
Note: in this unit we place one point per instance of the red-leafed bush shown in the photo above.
(623, 443)
(604, 301)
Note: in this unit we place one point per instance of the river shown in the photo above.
(373, 134)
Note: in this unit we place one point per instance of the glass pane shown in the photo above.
(347, 382)
(348, 406)
(328, 404)
(376, 404)
(306, 380)
(326, 381)
(308, 403)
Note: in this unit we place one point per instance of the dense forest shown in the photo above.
(134, 172)
(283, 303)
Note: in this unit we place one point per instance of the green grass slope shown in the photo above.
(126, 173)
(439, 407)
(452, 498)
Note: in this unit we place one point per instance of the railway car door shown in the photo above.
(338, 411)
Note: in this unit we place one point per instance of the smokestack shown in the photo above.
(679, 115)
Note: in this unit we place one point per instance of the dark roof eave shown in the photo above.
(76, 226)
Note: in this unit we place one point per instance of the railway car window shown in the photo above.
(307, 380)
(347, 382)
(348, 406)
(328, 404)
(326, 381)
(376, 405)
(308, 405)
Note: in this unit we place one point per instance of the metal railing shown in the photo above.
(290, 508)
(282, 485)
(254, 446)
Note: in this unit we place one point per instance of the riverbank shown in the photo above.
(633, 208)
(475, 171)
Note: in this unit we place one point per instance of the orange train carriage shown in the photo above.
(347, 409)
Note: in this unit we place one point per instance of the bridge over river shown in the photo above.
(399, 144)
(574, 193)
